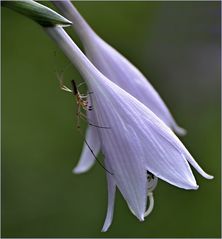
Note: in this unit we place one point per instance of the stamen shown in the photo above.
(151, 204)
(152, 183)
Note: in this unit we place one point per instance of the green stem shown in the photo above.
(37, 12)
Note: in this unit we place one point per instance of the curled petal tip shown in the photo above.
(196, 187)
(107, 224)
(78, 170)
(141, 218)
(180, 131)
(104, 229)
(83, 166)
(208, 176)
(193, 185)
(75, 171)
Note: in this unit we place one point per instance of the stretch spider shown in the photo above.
(82, 103)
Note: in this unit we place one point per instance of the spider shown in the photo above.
(81, 100)
(82, 103)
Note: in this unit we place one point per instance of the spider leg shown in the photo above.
(81, 84)
(62, 86)
(59, 75)
(84, 96)
(65, 88)
(78, 114)
(83, 116)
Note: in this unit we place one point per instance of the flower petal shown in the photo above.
(116, 67)
(124, 114)
(124, 158)
(175, 143)
(111, 200)
(167, 163)
(132, 124)
(122, 72)
(87, 159)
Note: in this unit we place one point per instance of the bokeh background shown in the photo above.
(177, 46)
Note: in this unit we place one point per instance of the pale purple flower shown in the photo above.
(136, 142)
(119, 70)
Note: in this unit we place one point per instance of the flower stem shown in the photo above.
(37, 12)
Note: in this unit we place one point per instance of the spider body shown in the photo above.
(81, 100)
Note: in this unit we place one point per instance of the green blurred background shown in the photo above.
(177, 46)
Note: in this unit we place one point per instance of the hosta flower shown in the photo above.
(135, 143)
(119, 70)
